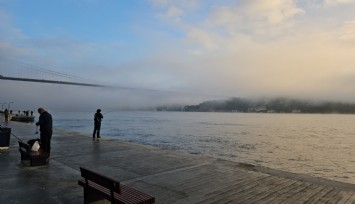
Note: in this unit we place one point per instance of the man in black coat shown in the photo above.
(45, 123)
(97, 123)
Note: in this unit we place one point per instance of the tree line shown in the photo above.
(276, 105)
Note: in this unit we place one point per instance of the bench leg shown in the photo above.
(91, 196)
(24, 156)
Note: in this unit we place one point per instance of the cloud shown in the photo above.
(336, 2)
(207, 40)
(7, 30)
(269, 48)
(256, 12)
(175, 9)
(11, 37)
(174, 12)
(272, 12)
(249, 19)
(347, 31)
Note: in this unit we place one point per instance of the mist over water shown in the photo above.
(313, 144)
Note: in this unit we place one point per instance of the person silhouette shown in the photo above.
(45, 123)
(6, 113)
(97, 123)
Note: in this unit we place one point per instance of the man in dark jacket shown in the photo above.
(45, 123)
(97, 123)
(6, 113)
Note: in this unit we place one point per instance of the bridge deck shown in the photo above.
(170, 176)
(50, 81)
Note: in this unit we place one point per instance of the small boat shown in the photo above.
(23, 118)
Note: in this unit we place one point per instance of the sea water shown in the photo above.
(321, 145)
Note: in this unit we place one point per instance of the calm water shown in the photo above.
(318, 145)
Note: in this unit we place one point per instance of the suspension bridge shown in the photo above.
(15, 70)
(18, 71)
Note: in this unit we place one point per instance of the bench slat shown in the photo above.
(128, 194)
(137, 194)
(125, 195)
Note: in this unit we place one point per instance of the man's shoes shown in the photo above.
(98, 137)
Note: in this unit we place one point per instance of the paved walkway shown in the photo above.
(170, 176)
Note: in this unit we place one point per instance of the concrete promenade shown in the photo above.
(170, 176)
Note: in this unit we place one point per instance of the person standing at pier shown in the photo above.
(45, 123)
(6, 113)
(97, 123)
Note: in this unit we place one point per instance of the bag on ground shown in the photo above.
(34, 144)
(35, 147)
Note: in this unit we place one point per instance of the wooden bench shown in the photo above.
(36, 158)
(99, 187)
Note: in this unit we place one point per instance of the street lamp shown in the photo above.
(2, 106)
(8, 105)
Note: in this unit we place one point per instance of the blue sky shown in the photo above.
(100, 21)
(81, 22)
(237, 48)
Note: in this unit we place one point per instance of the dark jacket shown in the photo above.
(98, 117)
(45, 122)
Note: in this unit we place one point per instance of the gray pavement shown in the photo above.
(170, 176)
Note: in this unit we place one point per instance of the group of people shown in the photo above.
(45, 123)
(7, 113)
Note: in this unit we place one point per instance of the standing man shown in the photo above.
(6, 115)
(97, 119)
(45, 123)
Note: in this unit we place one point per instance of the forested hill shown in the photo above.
(277, 105)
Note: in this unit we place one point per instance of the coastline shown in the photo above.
(169, 175)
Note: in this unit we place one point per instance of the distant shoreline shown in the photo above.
(273, 105)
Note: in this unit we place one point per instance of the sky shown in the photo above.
(178, 51)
